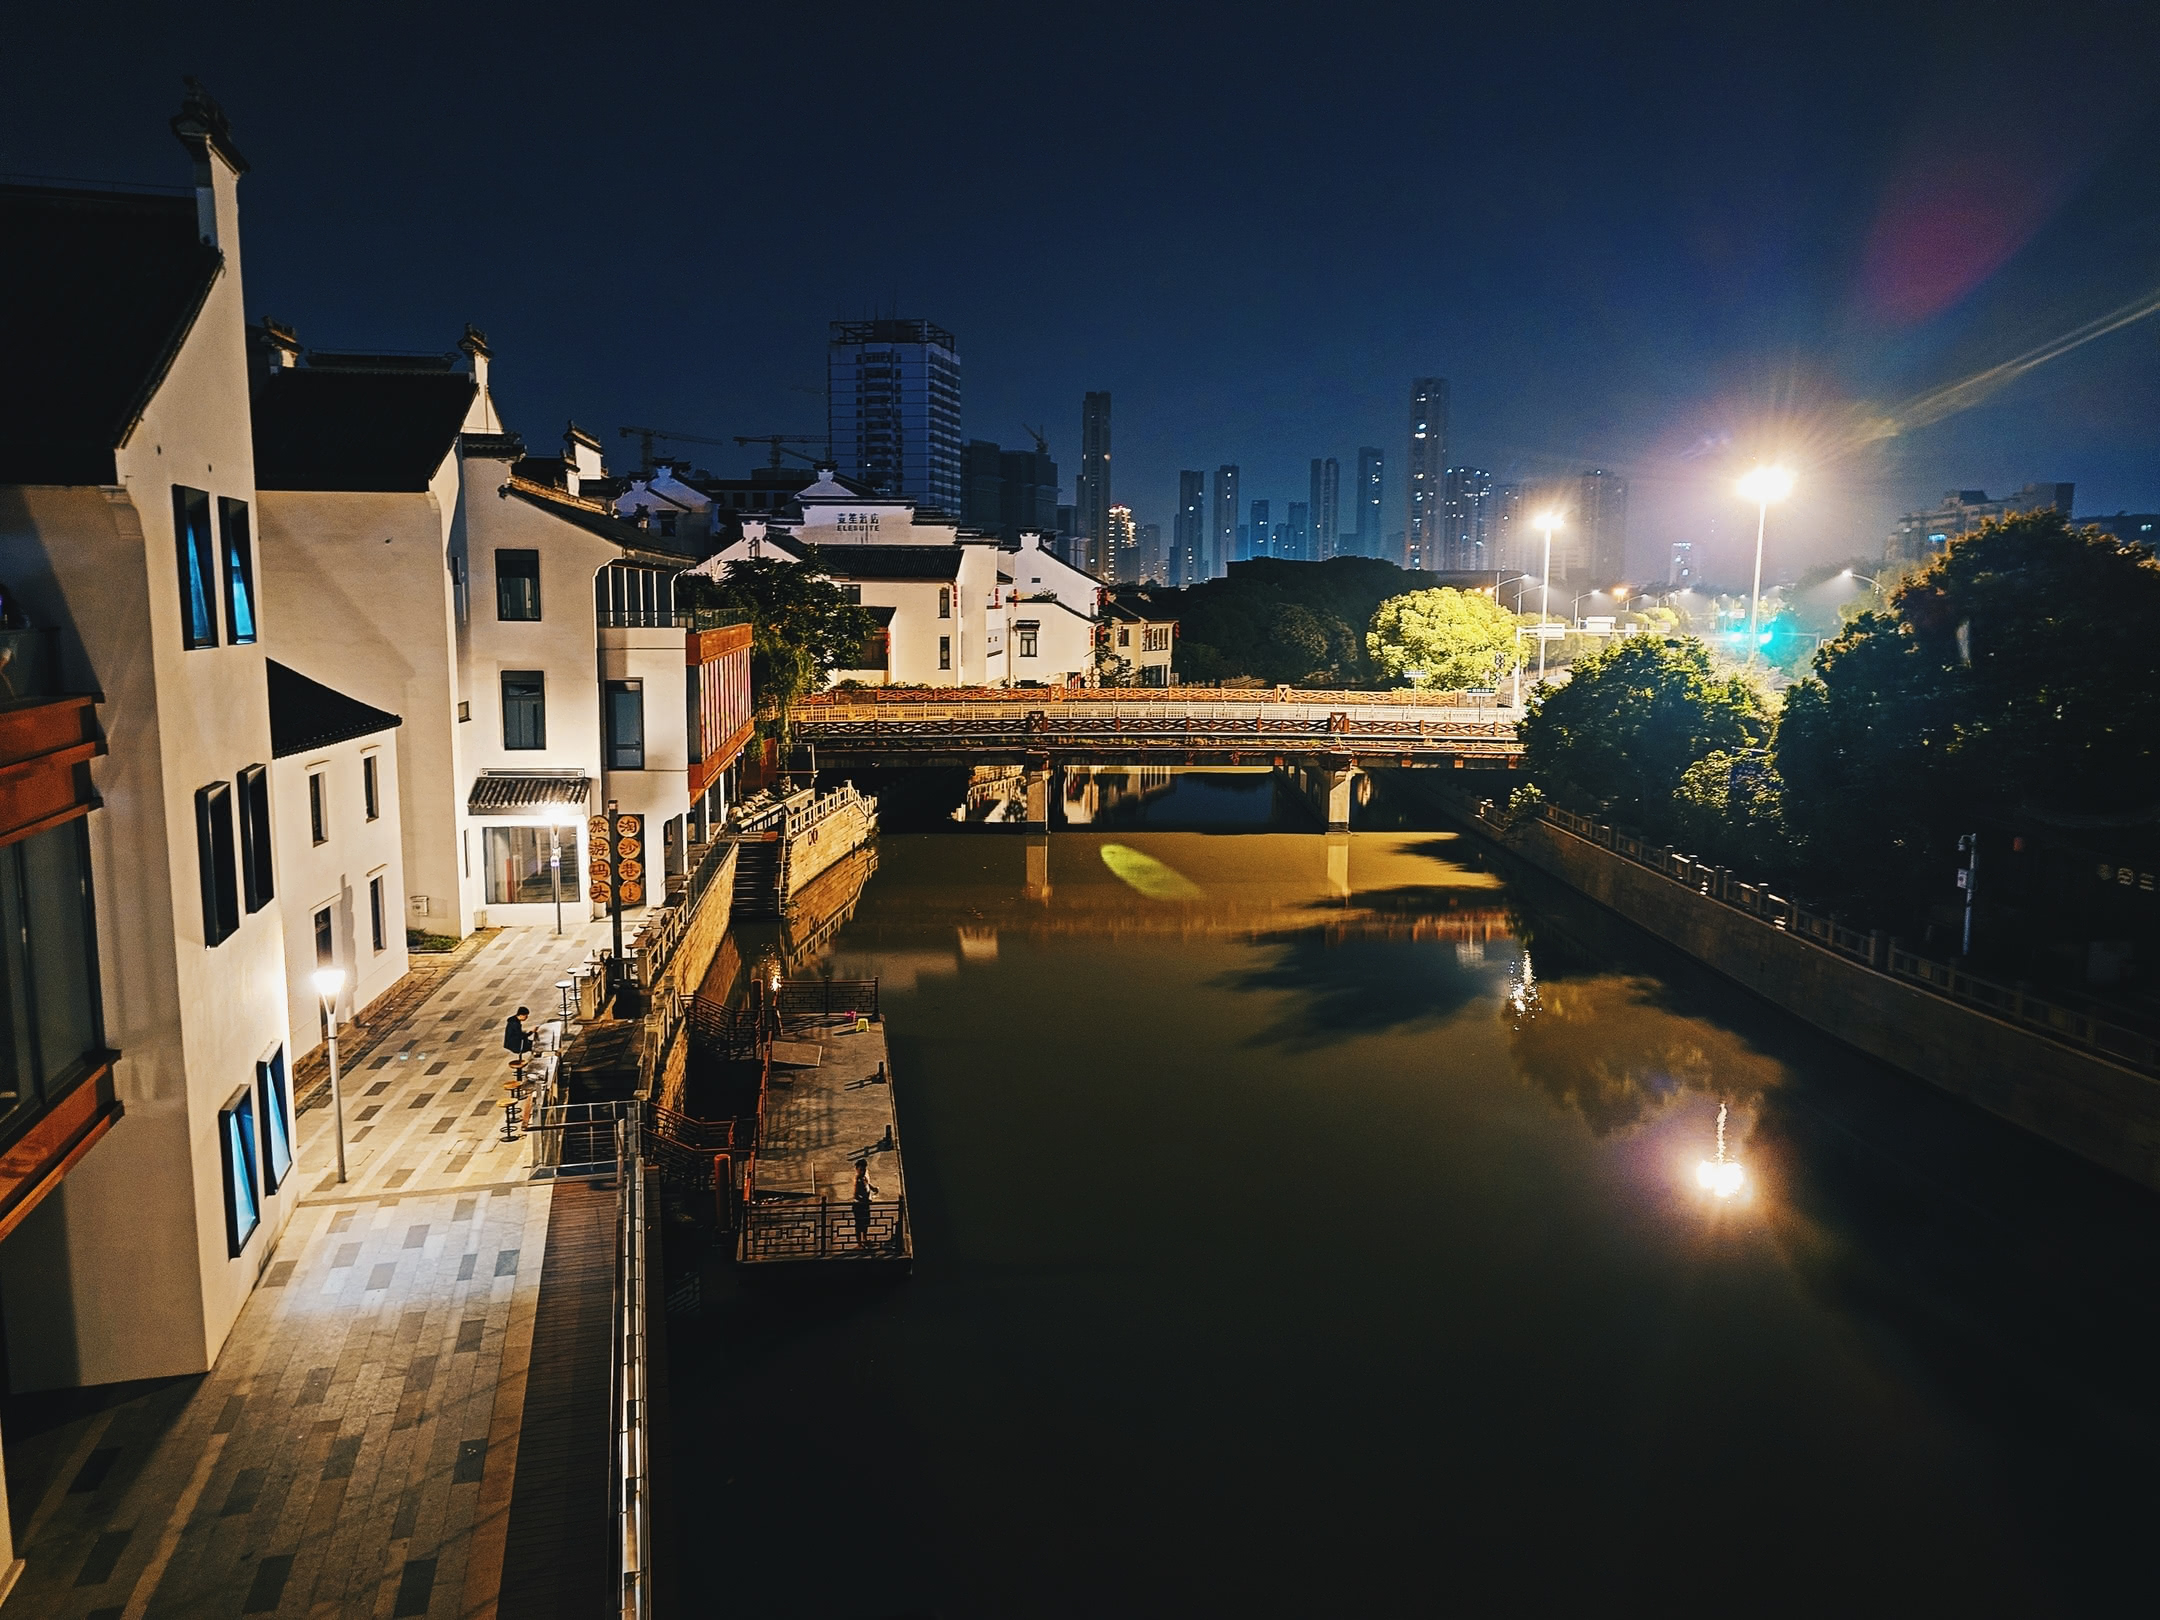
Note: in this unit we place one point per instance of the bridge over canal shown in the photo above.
(1324, 737)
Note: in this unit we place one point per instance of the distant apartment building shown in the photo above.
(1680, 569)
(1600, 541)
(1009, 492)
(1371, 495)
(2136, 528)
(893, 409)
(1154, 562)
(1259, 532)
(1189, 532)
(1224, 545)
(1120, 547)
(1922, 535)
(1091, 484)
(1326, 509)
(1298, 541)
(1425, 473)
(1466, 518)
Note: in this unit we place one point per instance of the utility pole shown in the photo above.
(614, 846)
(1969, 880)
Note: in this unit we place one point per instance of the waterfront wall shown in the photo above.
(2099, 1110)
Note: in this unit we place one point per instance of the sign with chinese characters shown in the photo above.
(617, 864)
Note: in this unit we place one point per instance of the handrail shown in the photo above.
(632, 1450)
(1880, 953)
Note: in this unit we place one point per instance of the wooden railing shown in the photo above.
(2072, 1026)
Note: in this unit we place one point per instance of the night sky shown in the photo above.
(1662, 240)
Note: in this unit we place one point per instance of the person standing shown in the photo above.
(861, 1198)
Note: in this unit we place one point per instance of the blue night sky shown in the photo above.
(1660, 239)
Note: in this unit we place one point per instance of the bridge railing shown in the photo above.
(1037, 696)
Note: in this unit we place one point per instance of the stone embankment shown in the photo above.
(2078, 1080)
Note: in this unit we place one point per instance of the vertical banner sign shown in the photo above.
(617, 868)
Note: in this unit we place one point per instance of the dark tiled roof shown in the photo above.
(306, 714)
(357, 430)
(97, 292)
(1114, 609)
(680, 550)
(890, 562)
(504, 792)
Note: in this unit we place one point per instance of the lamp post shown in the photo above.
(1762, 486)
(1549, 522)
(555, 868)
(328, 982)
(1867, 580)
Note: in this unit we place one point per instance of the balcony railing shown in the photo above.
(662, 618)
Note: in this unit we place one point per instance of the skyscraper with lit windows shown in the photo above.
(892, 409)
(1425, 473)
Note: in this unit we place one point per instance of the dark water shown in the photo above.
(1313, 1226)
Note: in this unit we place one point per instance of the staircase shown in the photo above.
(757, 876)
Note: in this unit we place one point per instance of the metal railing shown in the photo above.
(1335, 698)
(632, 1479)
(824, 1229)
(2070, 1026)
(830, 998)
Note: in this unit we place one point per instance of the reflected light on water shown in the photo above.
(1720, 1176)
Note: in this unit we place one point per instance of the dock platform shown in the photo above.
(828, 1105)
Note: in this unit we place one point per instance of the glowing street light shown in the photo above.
(1871, 583)
(1549, 522)
(328, 982)
(1762, 485)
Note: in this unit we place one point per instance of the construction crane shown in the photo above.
(1042, 443)
(646, 435)
(778, 440)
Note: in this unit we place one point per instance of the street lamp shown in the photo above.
(1549, 522)
(555, 827)
(328, 982)
(1762, 485)
(1871, 583)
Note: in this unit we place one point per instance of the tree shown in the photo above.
(1619, 736)
(801, 629)
(1444, 638)
(2014, 676)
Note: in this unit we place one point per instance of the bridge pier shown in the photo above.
(1037, 818)
(1326, 789)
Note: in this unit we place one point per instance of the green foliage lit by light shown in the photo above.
(802, 629)
(1443, 638)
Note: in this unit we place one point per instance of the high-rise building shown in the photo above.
(982, 502)
(1009, 492)
(1466, 514)
(1119, 548)
(1425, 472)
(1262, 543)
(1370, 493)
(1326, 508)
(1152, 566)
(892, 409)
(1226, 523)
(1601, 526)
(1681, 570)
(1298, 537)
(1091, 485)
(1505, 528)
(1188, 536)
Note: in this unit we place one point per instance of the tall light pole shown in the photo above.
(328, 982)
(1762, 486)
(1549, 522)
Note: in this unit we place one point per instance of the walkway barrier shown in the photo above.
(823, 1229)
(2072, 1026)
(632, 1453)
(828, 997)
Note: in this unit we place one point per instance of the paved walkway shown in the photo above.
(354, 1450)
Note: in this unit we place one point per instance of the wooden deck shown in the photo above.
(559, 1558)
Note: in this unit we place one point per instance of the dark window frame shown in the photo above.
(625, 755)
(536, 713)
(275, 1098)
(237, 577)
(258, 873)
(196, 552)
(236, 1152)
(378, 914)
(371, 786)
(217, 862)
(318, 806)
(510, 606)
(944, 652)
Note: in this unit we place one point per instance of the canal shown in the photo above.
(1317, 1225)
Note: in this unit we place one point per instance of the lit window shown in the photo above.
(239, 571)
(198, 567)
(276, 1104)
(243, 1197)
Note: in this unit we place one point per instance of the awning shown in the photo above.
(530, 793)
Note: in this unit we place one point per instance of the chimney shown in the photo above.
(201, 127)
(277, 344)
(481, 418)
(581, 456)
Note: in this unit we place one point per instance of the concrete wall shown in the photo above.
(335, 874)
(2098, 1111)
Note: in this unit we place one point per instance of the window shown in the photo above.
(460, 588)
(626, 725)
(517, 585)
(198, 567)
(370, 787)
(464, 710)
(318, 809)
(256, 881)
(694, 729)
(325, 939)
(50, 1028)
(944, 652)
(377, 923)
(851, 593)
(518, 872)
(1124, 635)
(944, 601)
(1027, 635)
(524, 704)
(214, 855)
(239, 571)
(276, 1105)
(243, 1202)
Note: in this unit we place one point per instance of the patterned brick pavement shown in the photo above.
(354, 1448)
